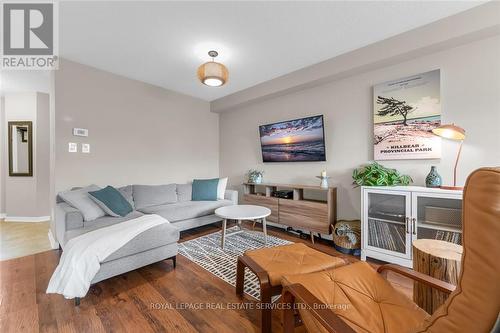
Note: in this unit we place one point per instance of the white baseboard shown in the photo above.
(2, 216)
(27, 218)
(53, 243)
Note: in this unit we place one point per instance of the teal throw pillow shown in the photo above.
(205, 189)
(111, 201)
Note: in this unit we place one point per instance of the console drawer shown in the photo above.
(261, 200)
(310, 215)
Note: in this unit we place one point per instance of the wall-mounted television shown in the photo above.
(298, 140)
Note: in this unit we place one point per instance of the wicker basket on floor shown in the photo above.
(347, 236)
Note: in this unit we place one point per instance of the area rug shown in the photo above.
(206, 252)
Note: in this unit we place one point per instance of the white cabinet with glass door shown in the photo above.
(393, 217)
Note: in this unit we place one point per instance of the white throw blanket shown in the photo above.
(82, 255)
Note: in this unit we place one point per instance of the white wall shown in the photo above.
(138, 133)
(3, 156)
(27, 196)
(42, 147)
(13, 82)
(470, 97)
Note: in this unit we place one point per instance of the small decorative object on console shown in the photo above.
(255, 176)
(375, 174)
(433, 179)
(324, 180)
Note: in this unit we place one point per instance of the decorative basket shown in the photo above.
(347, 236)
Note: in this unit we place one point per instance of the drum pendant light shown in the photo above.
(212, 73)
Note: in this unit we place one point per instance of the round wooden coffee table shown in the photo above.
(240, 213)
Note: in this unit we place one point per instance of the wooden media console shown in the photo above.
(316, 212)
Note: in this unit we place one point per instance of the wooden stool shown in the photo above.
(271, 264)
(438, 259)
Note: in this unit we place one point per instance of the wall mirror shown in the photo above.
(20, 148)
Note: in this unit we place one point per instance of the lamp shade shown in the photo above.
(213, 74)
(450, 131)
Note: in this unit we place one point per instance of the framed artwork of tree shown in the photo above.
(404, 113)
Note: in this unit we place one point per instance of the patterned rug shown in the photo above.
(206, 252)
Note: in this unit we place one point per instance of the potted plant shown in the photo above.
(255, 176)
(375, 174)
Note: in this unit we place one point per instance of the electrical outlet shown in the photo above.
(72, 147)
(85, 148)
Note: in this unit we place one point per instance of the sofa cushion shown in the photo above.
(361, 297)
(205, 189)
(154, 195)
(127, 192)
(72, 216)
(184, 192)
(111, 201)
(101, 222)
(157, 236)
(160, 235)
(186, 210)
(80, 199)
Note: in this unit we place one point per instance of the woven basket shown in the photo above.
(347, 236)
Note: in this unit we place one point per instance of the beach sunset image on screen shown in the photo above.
(294, 140)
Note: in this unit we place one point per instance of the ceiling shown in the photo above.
(24, 81)
(163, 43)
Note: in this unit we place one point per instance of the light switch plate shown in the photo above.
(72, 147)
(85, 148)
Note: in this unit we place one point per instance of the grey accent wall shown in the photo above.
(470, 86)
(138, 133)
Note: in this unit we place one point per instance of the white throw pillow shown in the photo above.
(221, 188)
(80, 199)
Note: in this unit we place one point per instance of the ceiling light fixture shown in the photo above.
(212, 73)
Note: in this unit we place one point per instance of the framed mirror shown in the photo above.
(20, 148)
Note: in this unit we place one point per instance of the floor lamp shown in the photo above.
(453, 132)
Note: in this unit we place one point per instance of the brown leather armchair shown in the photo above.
(355, 298)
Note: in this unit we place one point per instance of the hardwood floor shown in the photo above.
(19, 239)
(155, 298)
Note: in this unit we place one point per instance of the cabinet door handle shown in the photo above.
(407, 226)
(414, 225)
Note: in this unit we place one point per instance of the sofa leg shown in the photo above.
(77, 301)
(174, 260)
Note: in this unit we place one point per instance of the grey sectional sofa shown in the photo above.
(172, 201)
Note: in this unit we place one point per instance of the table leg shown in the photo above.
(264, 229)
(239, 225)
(224, 222)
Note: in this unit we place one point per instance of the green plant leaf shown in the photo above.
(375, 174)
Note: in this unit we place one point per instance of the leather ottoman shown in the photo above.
(361, 297)
(271, 264)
